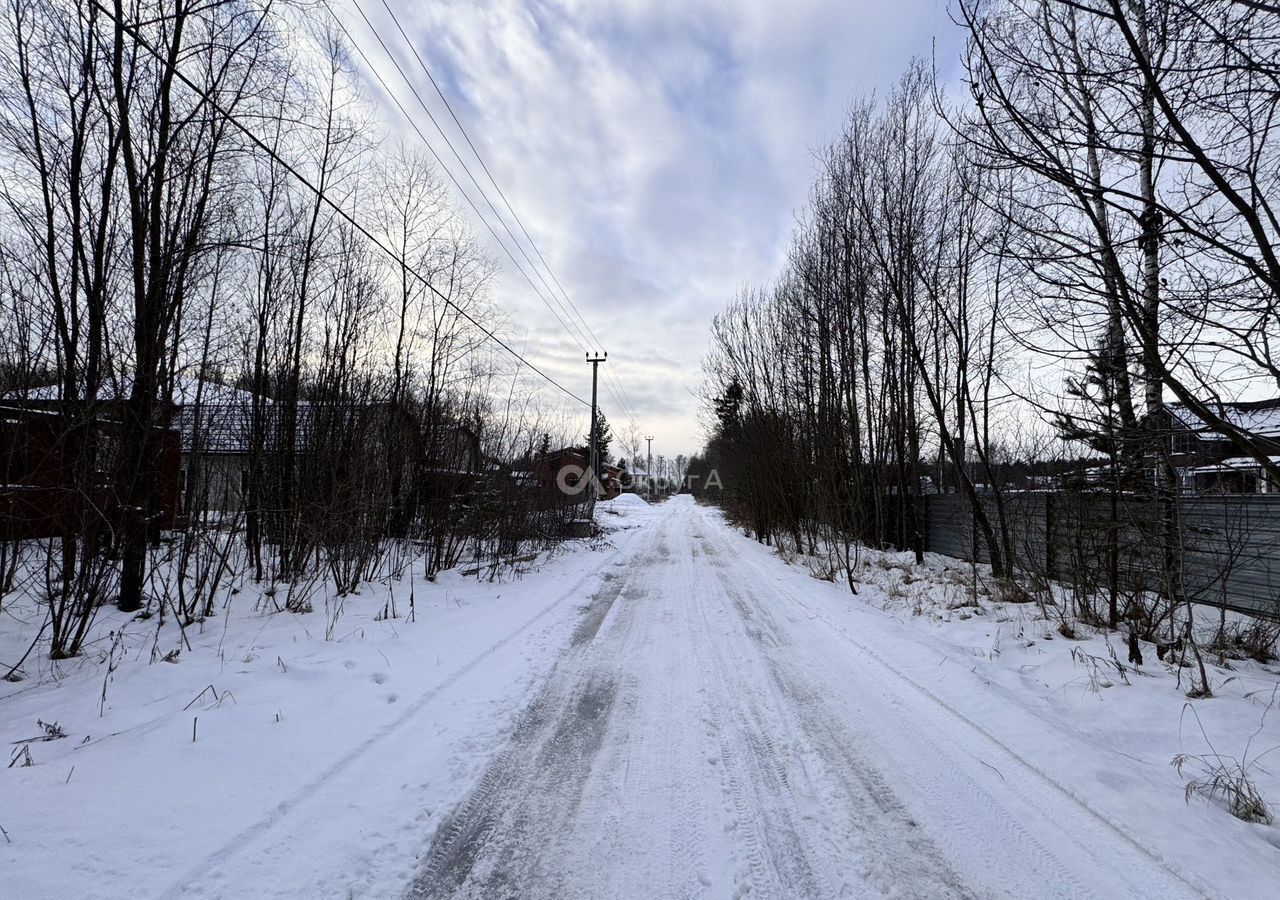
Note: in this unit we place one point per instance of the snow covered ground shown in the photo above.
(320, 768)
(676, 713)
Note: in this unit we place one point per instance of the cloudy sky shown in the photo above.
(656, 151)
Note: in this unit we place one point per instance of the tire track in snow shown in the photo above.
(652, 803)
(672, 754)
(196, 881)
(506, 837)
(754, 776)
(554, 742)
(893, 852)
(861, 835)
(1021, 782)
(1038, 870)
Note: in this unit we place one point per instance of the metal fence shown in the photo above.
(1229, 548)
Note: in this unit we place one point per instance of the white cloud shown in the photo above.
(656, 150)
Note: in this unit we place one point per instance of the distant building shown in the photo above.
(61, 476)
(1236, 475)
(212, 421)
(635, 480)
(547, 469)
(221, 430)
(1208, 461)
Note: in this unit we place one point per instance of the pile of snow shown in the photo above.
(625, 512)
(623, 501)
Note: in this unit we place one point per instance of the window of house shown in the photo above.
(1184, 442)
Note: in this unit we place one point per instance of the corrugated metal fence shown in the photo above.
(1230, 545)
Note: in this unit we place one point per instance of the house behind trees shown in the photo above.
(1209, 462)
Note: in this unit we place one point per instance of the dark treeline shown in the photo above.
(1029, 272)
(342, 412)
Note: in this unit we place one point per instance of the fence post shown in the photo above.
(973, 531)
(1050, 563)
(927, 522)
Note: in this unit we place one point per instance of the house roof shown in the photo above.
(222, 422)
(1259, 418)
(186, 390)
(552, 455)
(1234, 464)
(218, 428)
(15, 412)
(222, 425)
(1247, 462)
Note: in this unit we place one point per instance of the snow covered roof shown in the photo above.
(215, 418)
(186, 391)
(1259, 418)
(222, 425)
(219, 428)
(1246, 462)
(1235, 464)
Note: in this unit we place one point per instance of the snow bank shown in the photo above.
(188, 777)
(1105, 731)
(623, 501)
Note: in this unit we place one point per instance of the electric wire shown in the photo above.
(443, 166)
(213, 104)
(431, 117)
(463, 131)
(612, 383)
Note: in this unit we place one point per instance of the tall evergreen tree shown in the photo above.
(603, 439)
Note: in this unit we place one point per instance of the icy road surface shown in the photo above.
(707, 734)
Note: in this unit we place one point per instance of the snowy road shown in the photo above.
(707, 733)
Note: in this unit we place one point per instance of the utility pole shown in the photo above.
(595, 359)
(648, 471)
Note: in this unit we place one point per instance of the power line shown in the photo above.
(436, 156)
(616, 389)
(320, 194)
(611, 381)
(426, 71)
(631, 406)
(501, 221)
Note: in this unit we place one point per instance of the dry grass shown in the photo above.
(1224, 779)
(1255, 639)
(1007, 590)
